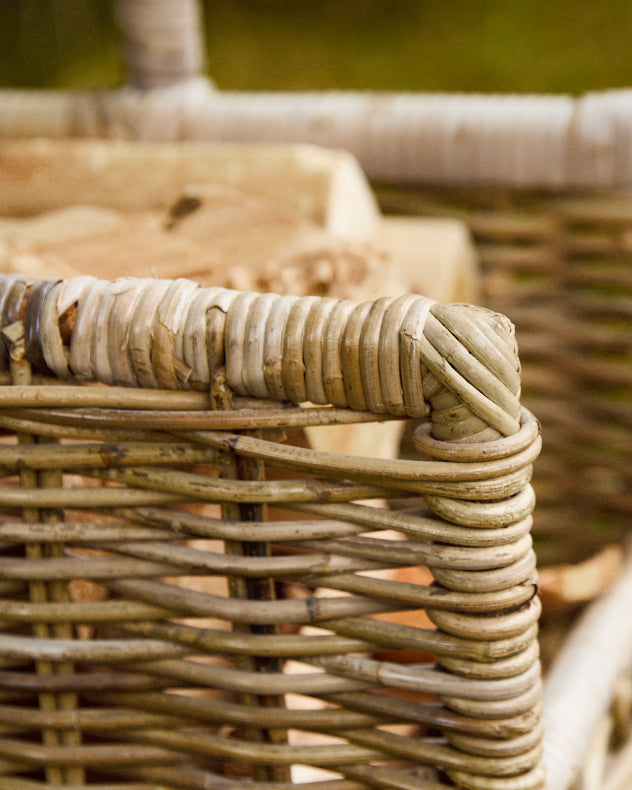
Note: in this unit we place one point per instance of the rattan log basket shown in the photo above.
(542, 181)
(543, 184)
(190, 600)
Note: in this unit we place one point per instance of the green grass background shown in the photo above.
(482, 45)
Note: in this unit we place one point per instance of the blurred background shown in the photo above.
(453, 45)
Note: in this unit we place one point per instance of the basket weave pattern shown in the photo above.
(559, 266)
(189, 598)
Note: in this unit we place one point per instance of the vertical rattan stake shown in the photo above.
(41, 591)
(235, 467)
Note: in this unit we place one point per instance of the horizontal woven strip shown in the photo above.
(393, 356)
(448, 139)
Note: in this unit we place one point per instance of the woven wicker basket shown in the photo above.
(175, 572)
(542, 183)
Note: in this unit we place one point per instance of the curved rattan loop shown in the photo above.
(363, 467)
(532, 780)
(496, 709)
(499, 627)
(514, 665)
(428, 445)
(484, 514)
(475, 581)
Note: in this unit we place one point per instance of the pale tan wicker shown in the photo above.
(590, 686)
(135, 656)
(543, 183)
(560, 267)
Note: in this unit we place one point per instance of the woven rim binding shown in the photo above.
(403, 356)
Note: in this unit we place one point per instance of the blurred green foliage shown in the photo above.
(469, 45)
(58, 43)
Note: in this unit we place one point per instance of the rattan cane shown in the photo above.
(536, 178)
(192, 601)
(559, 265)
